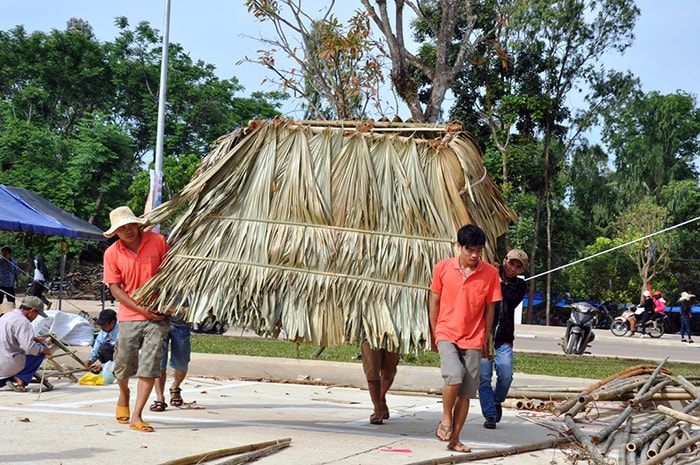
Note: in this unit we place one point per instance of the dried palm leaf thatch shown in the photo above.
(329, 231)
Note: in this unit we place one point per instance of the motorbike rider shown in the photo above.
(659, 303)
(649, 308)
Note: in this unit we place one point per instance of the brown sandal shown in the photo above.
(158, 406)
(175, 397)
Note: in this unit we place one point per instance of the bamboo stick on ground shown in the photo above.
(659, 427)
(605, 447)
(678, 415)
(693, 441)
(626, 373)
(513, 450)
(656, 444)
(584, 440)
(641, 396)
(215, 454)
(254, 455)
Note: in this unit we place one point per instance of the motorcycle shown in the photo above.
(629, 321)
(579, 328)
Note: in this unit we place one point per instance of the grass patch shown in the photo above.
(524, 362)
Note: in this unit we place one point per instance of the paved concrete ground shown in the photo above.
(74, 424)
(327, 424)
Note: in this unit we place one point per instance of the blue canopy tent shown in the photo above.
(24, 211)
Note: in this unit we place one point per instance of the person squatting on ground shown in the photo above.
(686, 302)
(180, 349)
(128, 264)
(464, 291)
(103, 347)
(9, 275)
(41, 276)
(379, 366)
(513, 290)
(21, 351)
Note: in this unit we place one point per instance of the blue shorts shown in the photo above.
(180, 349)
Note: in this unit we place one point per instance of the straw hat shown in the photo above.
(119, 217)
(686, 296)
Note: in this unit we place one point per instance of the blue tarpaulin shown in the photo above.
(22, 210)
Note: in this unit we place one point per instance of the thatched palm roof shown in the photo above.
(328, 230)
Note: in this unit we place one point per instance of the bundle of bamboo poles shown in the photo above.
(648, 436)
(659, 435)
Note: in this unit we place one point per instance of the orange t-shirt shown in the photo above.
(133, 270)
(460, 315)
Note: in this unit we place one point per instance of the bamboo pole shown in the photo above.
(254, 455)
(215, 454)
(623, 454)
(605, 447)
(584, 439)
(506, 451)
(659, 427)
(693, 441)
(678, 415)
(641, 394)
(642, 397)
(626, 373)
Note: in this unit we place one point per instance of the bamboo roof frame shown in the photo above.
(328, 230)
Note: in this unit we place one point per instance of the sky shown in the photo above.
(664, 55)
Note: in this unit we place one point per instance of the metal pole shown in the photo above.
(156, 199)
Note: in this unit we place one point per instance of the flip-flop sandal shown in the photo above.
(445, 430)
(158, 406)
(17, 387)
(385, 414)
(142, 427)
(459, 447)
(175, 397)
(376, 419)
(123, 414)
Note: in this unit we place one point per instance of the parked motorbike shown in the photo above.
(630, 319)
(579, 328)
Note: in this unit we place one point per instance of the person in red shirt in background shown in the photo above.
(128, 264)
(659, 303)
(463, 296)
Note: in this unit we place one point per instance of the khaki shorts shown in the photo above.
(146, 337)
(379, 364)
(460, 366)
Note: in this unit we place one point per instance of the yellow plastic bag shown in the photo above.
(91, 379)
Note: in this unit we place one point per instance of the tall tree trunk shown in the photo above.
(533, 254)
(98, 205)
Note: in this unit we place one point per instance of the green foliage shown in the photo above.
(654, 139)
(605, 277)
(650, 255)
(177, 172)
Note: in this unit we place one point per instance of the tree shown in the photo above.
(200, 106)
(334, 68)
(563, 45)
(651, 255)
(654, 139)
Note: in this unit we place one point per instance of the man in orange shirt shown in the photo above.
(463, 295)
(128, 264)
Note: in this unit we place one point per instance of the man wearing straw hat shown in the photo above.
(686, 307)
(128, 264)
